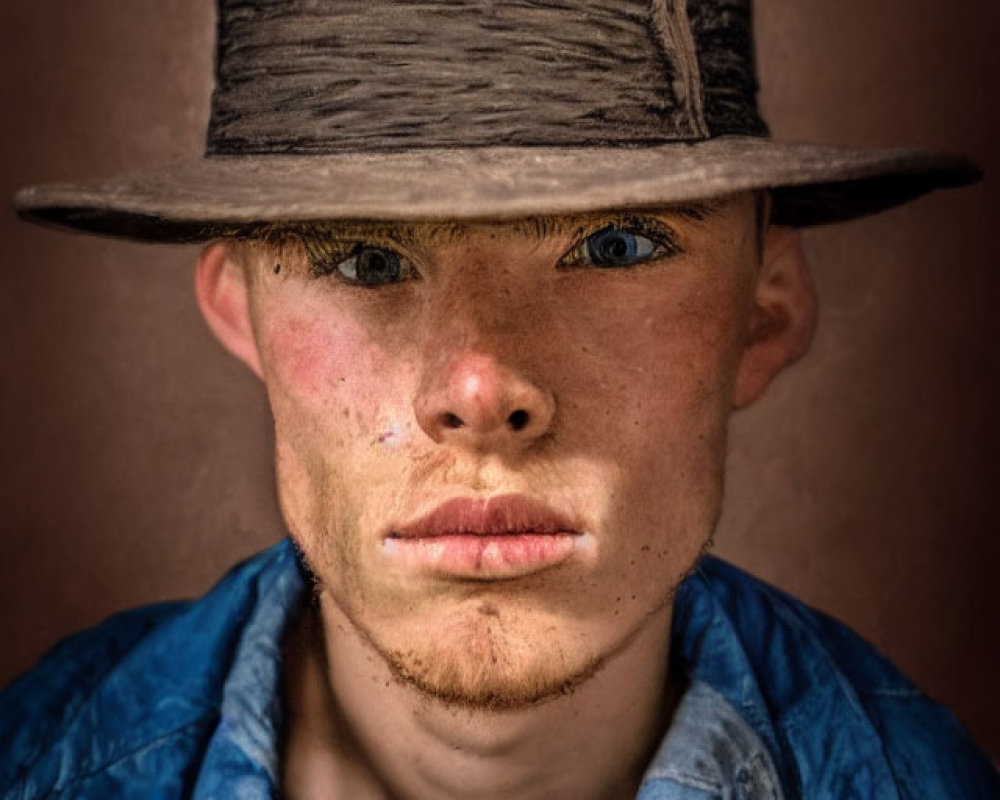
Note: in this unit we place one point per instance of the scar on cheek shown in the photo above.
(391, 436)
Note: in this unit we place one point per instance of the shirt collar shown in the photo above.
(710, 749)
(244, 749)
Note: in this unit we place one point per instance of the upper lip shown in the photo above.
(500, 515)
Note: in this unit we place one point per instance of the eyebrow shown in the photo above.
(538, 227)
(542, 226)
(698, 211)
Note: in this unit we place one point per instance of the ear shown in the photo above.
(221, 285)
(783, 318)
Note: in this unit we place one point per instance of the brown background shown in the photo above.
(136, 454)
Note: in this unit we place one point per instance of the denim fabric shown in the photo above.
(710, 751)
(182, 700)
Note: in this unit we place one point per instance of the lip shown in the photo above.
(502, 537)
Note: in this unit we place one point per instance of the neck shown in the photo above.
(354, 730)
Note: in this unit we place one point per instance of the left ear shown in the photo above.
(783, 318)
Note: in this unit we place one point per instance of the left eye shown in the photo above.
(368, 266)
(614, 247)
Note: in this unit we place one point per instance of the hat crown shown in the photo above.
(335, 76)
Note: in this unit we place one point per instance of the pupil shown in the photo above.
(617, 247)
(377, 266)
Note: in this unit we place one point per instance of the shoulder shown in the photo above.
(139, 692)
(841, 718)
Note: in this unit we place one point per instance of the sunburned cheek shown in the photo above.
(321, 366)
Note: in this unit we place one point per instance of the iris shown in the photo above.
(371, 266)
(615, 247)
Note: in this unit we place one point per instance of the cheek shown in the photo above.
(340, 412)
(324, 368)
(653, 361)
(649, 384)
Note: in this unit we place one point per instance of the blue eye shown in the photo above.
(369, 266)
(618, 246)
(613, 247)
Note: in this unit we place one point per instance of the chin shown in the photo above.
(484, 658)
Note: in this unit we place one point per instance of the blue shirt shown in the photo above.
(183, 700)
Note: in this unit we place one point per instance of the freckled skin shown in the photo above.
(637, 366)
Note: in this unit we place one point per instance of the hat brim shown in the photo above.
(194, 201)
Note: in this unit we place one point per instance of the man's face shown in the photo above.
(568, 380)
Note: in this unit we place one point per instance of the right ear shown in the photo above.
(223, 296)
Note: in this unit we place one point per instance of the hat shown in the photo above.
(432, 109)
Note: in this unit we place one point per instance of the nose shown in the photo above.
(470, 399)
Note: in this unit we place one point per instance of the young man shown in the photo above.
(501, 379)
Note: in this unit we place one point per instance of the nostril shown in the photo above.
(518, 419)
(452, 421)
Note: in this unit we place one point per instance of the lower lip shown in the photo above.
(482, 557)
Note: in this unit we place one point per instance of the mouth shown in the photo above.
(499, 538)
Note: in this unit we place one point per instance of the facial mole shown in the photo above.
(277, 268)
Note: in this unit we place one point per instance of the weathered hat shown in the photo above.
(417, 109)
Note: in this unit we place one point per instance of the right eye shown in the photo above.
(366, 265)
(629, 243)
